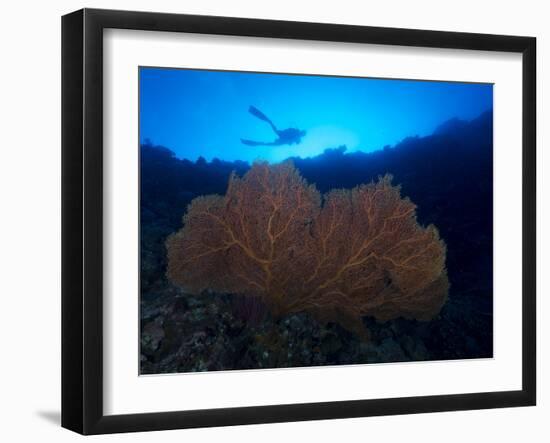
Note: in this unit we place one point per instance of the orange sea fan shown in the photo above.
(349, 254)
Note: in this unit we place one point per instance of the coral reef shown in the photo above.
(349, 254)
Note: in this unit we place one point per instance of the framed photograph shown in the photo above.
(269, 221)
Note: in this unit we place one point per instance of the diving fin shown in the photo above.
(254, 143)
(259, 114)
(251, 142)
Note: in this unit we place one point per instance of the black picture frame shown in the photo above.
(82, 218)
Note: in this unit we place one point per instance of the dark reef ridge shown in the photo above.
(448, 175)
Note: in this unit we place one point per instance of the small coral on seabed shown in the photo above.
(341, 256)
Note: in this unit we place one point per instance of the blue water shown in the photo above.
(205, 113)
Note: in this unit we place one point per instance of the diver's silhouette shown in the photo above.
(285, 136)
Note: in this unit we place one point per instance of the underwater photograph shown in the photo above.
(293, 220)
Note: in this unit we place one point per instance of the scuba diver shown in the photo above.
(285, 137)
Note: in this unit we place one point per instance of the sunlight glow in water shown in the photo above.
(205, 113)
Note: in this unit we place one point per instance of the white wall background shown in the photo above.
(30, 219)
